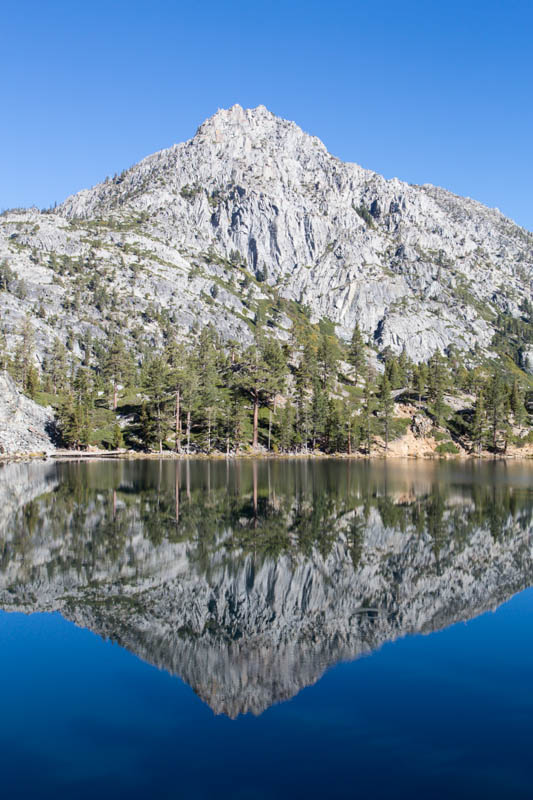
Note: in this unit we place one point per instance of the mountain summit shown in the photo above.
(252, 213)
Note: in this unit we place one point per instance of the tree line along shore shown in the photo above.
(312, 394)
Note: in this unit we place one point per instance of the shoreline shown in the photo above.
(126, 455)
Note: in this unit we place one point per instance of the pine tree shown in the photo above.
(506, 423)
(86, 345)
(4, 355)
(478, 424)
(117, 366)
(405, 369)
(319, 410)
(32, 381)
(208, 365)
(190, 393)
(437, 382)
(177, 361)
(334, 427)
(7, 276)
(328, 359)
(517, 403)
(118, 438)
(420, 381)
(83, 387)
(351, 428)
(262, 376)
(24, 353)
(286, 427)
(356, 353)
(73, 423)
(233, 416)
(368, 409)
(306, 374)
(58, 367)
(394, 373)
(238, 421)
(386, 407)
(495, 408)
(147, 428)
(155, 386)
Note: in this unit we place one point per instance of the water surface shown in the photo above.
(266, 629)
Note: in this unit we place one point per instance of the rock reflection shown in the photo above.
(249, 579)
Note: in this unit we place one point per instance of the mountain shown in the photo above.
(250, 601)
(253, 217)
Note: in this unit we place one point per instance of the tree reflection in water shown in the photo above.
(249, 578)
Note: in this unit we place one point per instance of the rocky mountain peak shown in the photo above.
(416, 266)
(257, 124)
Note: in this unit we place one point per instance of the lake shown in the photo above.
(270, 629)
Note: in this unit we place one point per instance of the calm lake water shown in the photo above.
(276, 629)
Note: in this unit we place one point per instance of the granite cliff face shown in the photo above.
(251, 210)
(249, 601)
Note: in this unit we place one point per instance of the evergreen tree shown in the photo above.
(506, 423)
(319, 410)
(190, 393)
(4, 355)
(286, 427)
(495, 408)
(517, 404)
(24, 353)
(208, 365)
(147, 427)
(394, 374)
(83, 387)
(58, 367)
(368, 409)
(478, 429)
(262, 376)
(351, 427)
(334, 427)
(73, 423)
(117, 366)
(405, 370)
(386, 407)
(156, 407)
(328, 359)
(32, 381)
(86, 345)
(356, 353)
(420, 380)
(118, 438)
(177, 360)
(305, 377)
(437, 382)
(7, 276)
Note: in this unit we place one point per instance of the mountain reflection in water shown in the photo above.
(248, 579)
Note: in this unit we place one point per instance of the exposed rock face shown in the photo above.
(25, 427)
(247, 628)
(415, 265)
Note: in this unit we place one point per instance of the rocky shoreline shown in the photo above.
(525, 454)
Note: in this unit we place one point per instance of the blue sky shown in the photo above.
(437, 92)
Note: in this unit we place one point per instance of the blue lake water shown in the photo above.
(261, 630)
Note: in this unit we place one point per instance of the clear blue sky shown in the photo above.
(438, 92)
